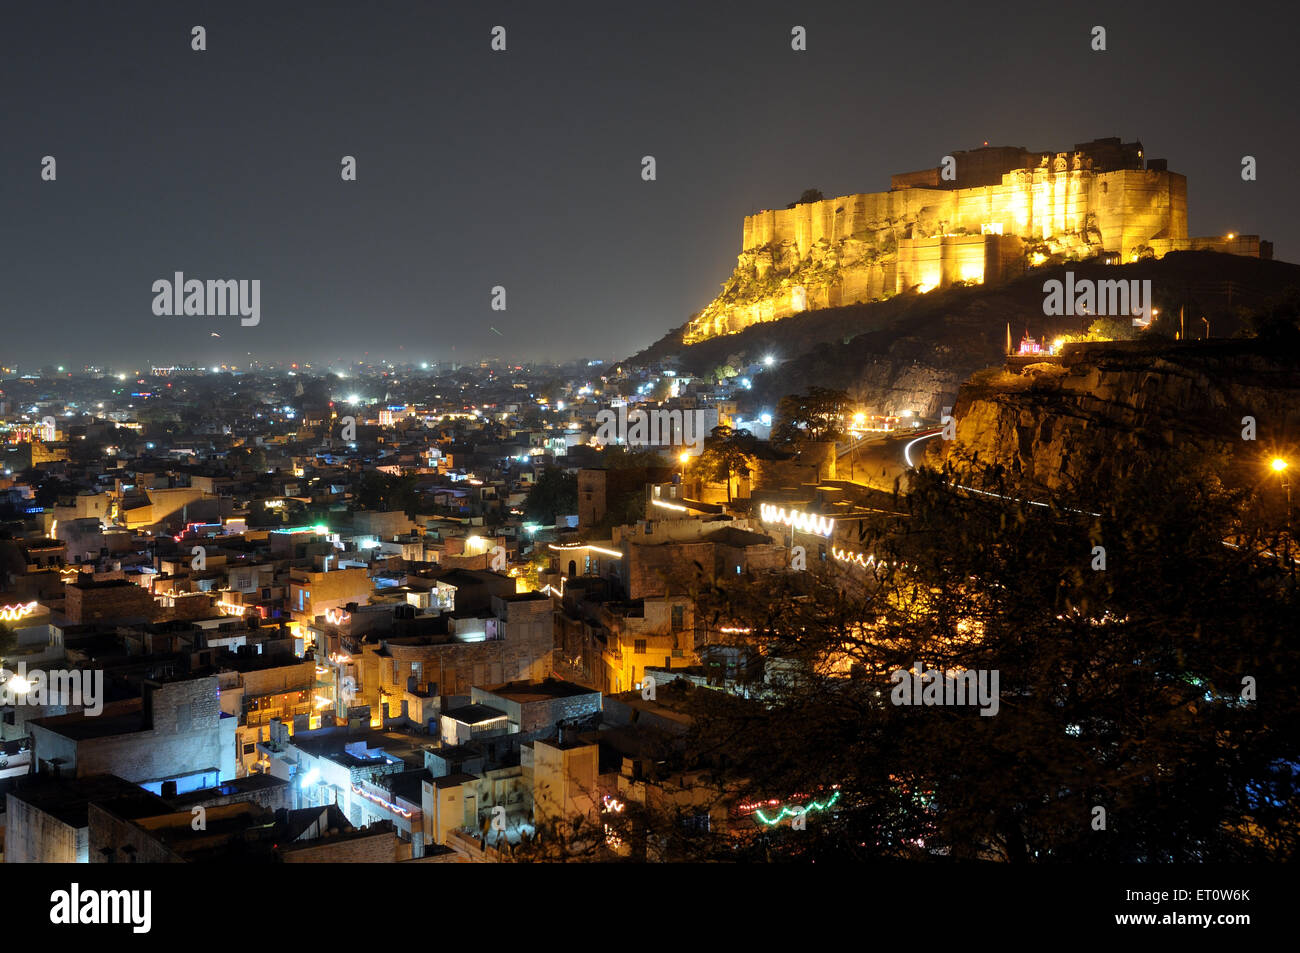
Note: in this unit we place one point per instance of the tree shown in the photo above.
(555, 494)
(807, 196)
(1279, 319)
(1119, 688)
(816, 416)
(726, 452)
(723, 372)
(382, 491)
(1112, 329)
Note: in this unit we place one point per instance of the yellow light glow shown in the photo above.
(595, 549)
(16, 612)
(806, 522)
(1278, 464)
(684, 458)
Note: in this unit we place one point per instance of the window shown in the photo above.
(639, 646)
(250, 748)
(679, 620)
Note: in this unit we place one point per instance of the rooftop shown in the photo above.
(524, 692)
(474, 714)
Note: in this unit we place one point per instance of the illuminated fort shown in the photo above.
(980, 218)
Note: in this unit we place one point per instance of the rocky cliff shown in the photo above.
(1107, 408)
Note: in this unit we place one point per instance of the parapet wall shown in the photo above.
(850, 248)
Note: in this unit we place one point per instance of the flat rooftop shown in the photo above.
(68, 799)
(474, 714)
(523, 692)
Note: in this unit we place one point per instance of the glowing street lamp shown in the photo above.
(1279, 466)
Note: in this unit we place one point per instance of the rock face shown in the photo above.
(892, 389)
(1107, 407)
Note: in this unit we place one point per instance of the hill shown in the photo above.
(912, 351)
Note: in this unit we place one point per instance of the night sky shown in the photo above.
(522, 168)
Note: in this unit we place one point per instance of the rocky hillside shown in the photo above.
(911, 352)
(1106, 408)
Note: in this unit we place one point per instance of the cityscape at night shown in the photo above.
(792, 438)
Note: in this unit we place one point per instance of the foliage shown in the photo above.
(808, 195)
(1120, 687)
(815, 416)
(1279, 319)
(726, 453)
(723, 372)
(555, 494)
(382, 491)
(1112, 329)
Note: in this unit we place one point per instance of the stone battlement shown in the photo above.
(929, 231)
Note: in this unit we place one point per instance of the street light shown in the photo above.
(1279, 466)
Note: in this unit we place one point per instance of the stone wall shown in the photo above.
(185, 737)
(847, 249)
(540, 715)
(376, 845)
(32, 836)
(115, 599)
